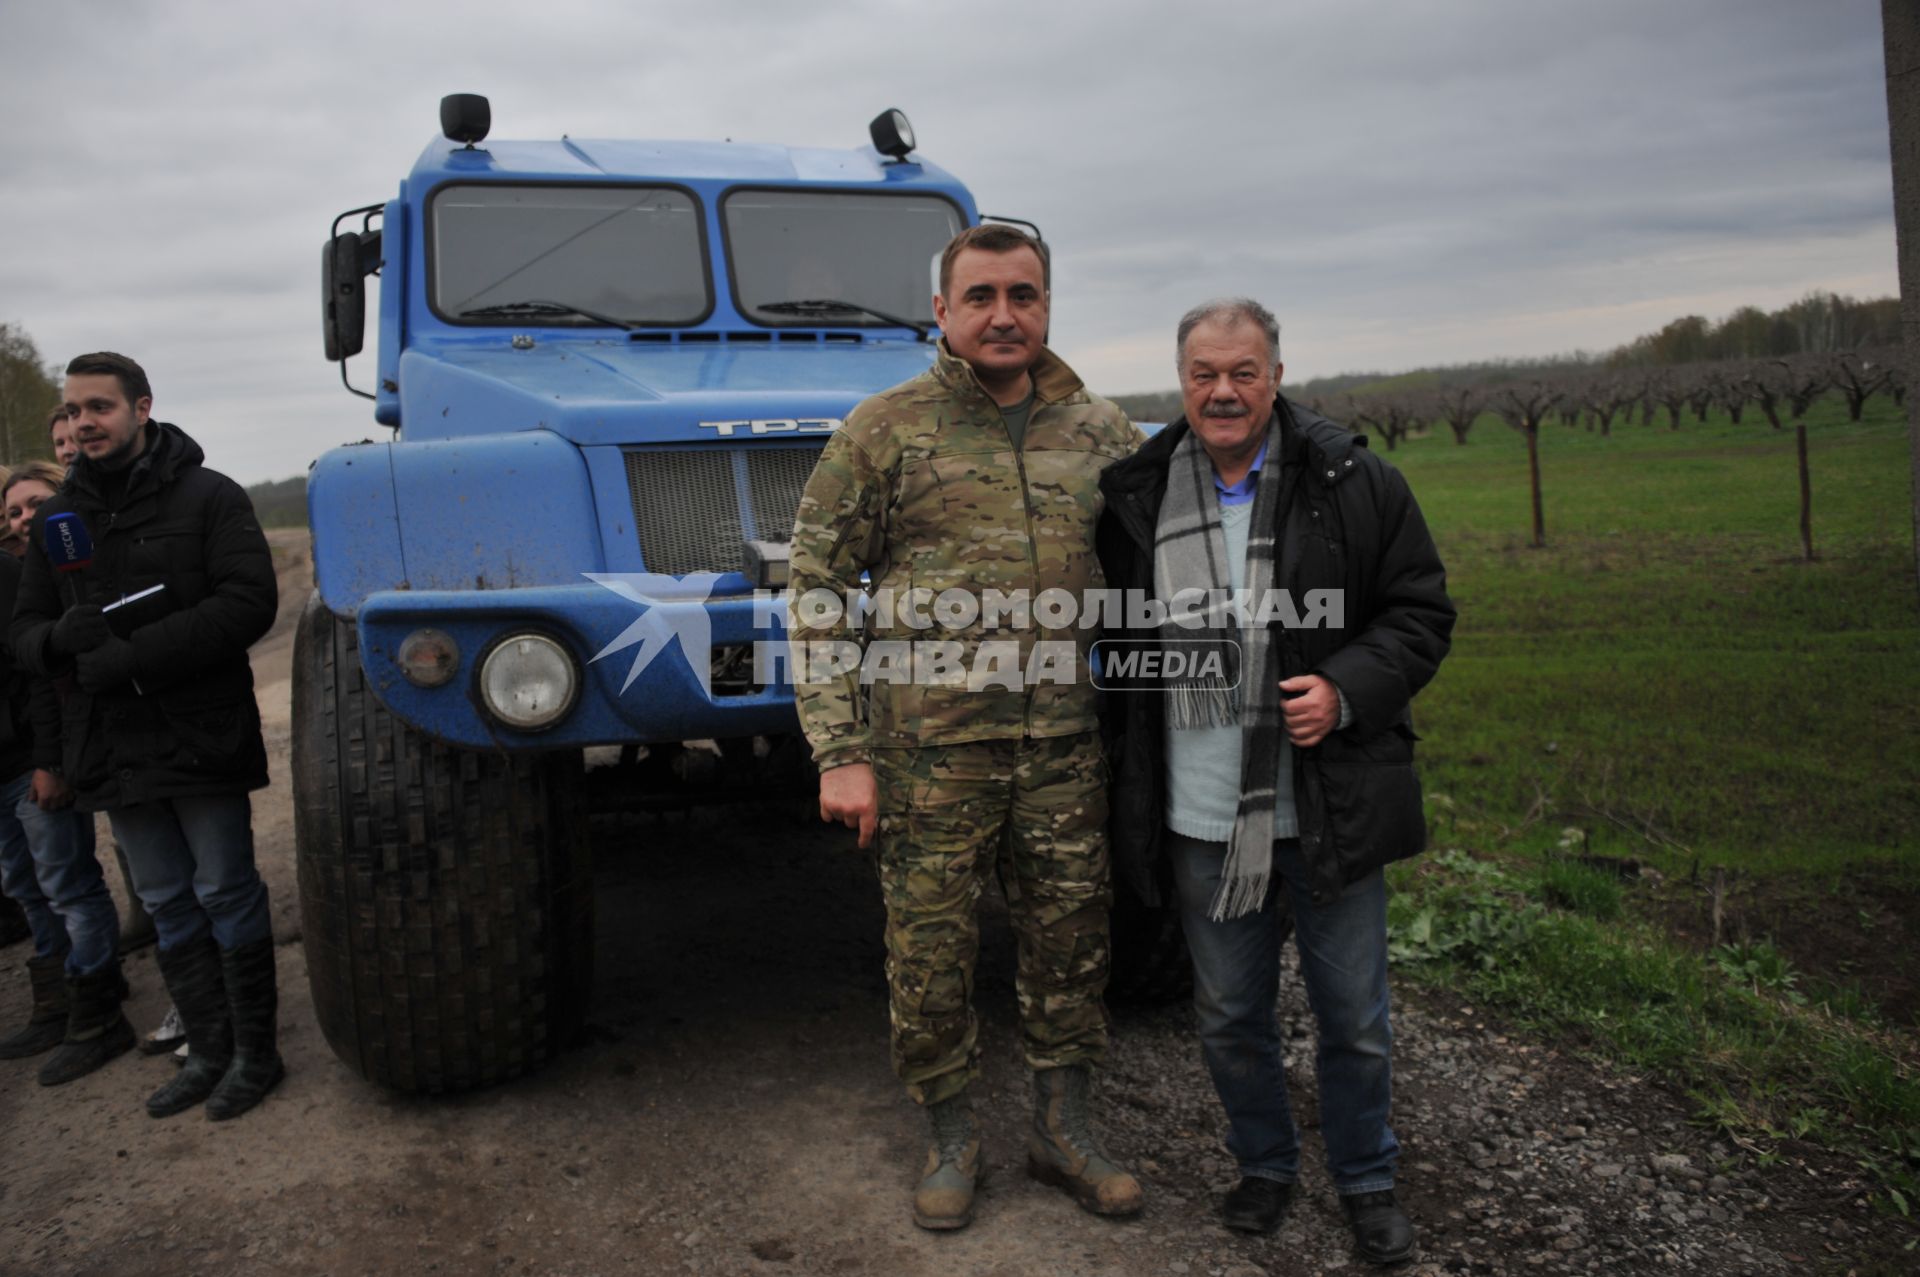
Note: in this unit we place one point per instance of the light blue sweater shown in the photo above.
(1203, 765)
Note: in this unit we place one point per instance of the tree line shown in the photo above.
(1779, 390)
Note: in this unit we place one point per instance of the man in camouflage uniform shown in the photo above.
(980, 475)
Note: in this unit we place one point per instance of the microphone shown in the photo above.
(69, 546)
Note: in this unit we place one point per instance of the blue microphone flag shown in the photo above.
(69, 544)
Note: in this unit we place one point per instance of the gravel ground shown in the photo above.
(732, 1111)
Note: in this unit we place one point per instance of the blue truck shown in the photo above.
(607, 368)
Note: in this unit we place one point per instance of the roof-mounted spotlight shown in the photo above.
(465, 117)
(891, 133)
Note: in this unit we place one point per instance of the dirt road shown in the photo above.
(732, 1111)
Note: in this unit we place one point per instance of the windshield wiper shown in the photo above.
(813, 307)
(535, 306)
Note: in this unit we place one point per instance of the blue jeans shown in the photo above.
(192, 863)
(1236, 975)
(47, 866)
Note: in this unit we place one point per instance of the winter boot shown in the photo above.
(47, 1024)
(1062, 1151)
(199, 993)
(944, 1199)
(136, 927)
(97, 1031)
(254, 998)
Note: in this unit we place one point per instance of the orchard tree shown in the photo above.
(1459, 407)
(1668, 387)
(1524, 405)
(1859, 375)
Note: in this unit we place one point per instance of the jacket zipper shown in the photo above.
(1033, 553)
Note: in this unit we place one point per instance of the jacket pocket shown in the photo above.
(211, 736)
(1372, 796)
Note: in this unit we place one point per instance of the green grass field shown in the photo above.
(1668, 681)
(1668, 662)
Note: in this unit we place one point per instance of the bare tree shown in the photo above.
(1459, 407)
(1702, 388)
(1766, 381)
(1389, 416)
(1668, 387)
(1604, 397)
(1859, 375)
(1732, 389)
(1525, 405)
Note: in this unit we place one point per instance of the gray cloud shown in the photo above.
(1405, 181)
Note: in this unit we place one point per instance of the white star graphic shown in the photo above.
(657, 627)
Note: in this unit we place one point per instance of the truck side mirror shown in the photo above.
(345, 262)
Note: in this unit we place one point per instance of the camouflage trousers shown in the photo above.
(950, 815)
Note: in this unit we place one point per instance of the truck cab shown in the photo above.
(603, 370)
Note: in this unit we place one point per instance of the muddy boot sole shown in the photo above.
(1086, 1194)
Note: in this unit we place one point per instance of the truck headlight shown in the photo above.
(528, 681)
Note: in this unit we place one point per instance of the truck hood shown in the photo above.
(624, 392)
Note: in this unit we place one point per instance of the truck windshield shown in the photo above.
(873, 252)
(613, 252)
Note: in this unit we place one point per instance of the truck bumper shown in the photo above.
(639, 650)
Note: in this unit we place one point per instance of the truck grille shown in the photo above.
(696, 508)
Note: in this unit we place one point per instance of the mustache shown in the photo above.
(1230, 408)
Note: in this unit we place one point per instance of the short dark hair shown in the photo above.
(54, 418)
(105, 363)
(994, 237)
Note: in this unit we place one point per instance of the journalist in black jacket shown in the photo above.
(172, 713)
(163, 733)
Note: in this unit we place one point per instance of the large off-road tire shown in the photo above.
(445, 894)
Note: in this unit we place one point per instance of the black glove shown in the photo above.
(81, 628)
(106, 667)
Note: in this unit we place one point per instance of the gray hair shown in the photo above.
(1230, 311)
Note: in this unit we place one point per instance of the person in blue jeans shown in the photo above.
(47, 866)
(1270, 779)
(163, 732)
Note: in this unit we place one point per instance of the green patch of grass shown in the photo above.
(1582, 889)
(1763, 1059)
(1667, 671)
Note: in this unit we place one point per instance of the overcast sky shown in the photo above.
(1404, 182)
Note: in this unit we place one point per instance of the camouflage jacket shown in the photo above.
(922, 490)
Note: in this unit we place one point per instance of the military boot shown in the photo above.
(199, 993)
(253, 996)
(1062, 1151)
(47, 1023)
(944, 1199)
(136, 927)
(97, 1031)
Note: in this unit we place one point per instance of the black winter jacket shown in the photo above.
(30, 714)
(1347, 520)
(187, 724)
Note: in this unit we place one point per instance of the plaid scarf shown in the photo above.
(1189, 553)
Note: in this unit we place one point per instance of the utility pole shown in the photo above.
(1900, 26)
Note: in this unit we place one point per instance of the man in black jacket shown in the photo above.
(162, 732)
(1291, 763)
